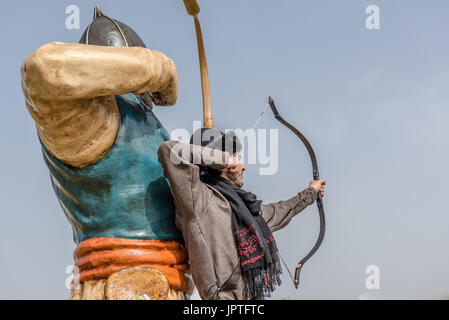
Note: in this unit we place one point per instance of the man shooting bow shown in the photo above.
(227, 230)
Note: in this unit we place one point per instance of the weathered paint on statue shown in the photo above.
(92, 107)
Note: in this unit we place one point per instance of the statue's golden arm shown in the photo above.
(69, 91)
(69, 71)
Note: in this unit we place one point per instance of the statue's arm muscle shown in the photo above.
(69, 91)
(69, 71)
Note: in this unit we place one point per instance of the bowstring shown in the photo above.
(286, 267)
(255, 125)
(244, 144)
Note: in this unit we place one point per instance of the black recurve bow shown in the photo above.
(319, 201)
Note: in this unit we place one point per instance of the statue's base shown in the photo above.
(135, 283)
(128, 269)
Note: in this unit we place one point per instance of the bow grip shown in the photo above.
(297, 274)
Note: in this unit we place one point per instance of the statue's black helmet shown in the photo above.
(105, 31)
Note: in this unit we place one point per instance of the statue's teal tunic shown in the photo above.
(124, 194)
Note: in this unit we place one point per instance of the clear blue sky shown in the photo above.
(373, 103)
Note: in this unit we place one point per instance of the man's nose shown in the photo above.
(243, 168)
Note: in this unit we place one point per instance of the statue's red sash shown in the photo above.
(97, 258)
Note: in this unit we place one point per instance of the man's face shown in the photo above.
(234, 170)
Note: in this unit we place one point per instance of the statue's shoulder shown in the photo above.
(81, 134)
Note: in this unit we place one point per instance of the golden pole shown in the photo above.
(193, 9)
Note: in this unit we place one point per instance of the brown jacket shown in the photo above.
(203, 216)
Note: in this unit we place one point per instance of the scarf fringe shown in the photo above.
(256, 280)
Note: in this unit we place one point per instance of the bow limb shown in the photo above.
(316, 176)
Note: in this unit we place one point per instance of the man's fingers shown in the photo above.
(323, 183)
(318, 185)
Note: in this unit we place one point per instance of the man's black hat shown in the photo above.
(215, 139)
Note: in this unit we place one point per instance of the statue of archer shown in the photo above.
(92, 104)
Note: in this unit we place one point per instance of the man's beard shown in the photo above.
(234, 178)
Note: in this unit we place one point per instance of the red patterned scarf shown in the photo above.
(256, 247)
